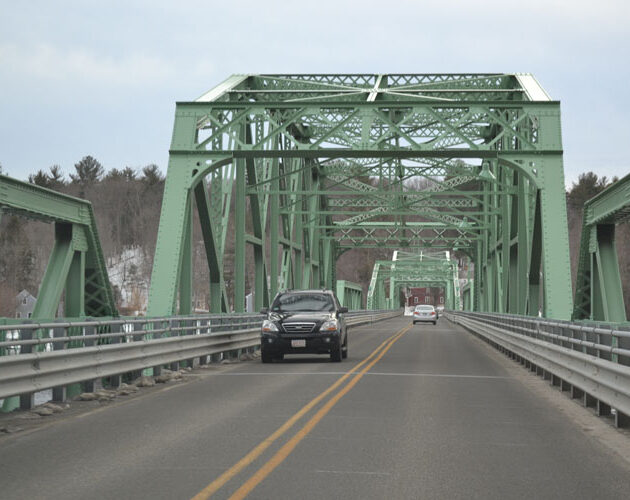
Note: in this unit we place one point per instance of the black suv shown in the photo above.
(304, 321)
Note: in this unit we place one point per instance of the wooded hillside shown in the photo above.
(127, 207)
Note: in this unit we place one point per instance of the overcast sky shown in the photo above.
(102, 78)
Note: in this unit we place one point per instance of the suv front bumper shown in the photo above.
(317, 343)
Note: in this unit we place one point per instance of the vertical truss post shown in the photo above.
(185, 273)
(523, 236)
(535, 263)
(258, 207)
(208, 227)
(75, 284)
(167, 263)
(239, 231)
(56, 275)
(556, 264)
(606, 290)
(274, 244)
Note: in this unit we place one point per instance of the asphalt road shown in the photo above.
(434, 413)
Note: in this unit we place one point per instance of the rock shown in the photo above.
(162, 379)
(188, 369)
(127, 389)
(42, 411)
(105, 395)
(87, 396)
(10, 429)
(145, 381)
(246, 357)
(28, 416)
(55, 408)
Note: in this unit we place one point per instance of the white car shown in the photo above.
(425, 314)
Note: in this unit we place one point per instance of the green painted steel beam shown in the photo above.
(323, 163)
(76, 264)
(599, 291)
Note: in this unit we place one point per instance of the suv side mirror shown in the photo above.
(342, 310)
(264, 310)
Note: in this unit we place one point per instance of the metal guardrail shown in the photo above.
(590, 361)
(41, 356)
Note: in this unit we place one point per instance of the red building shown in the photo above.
(432, 296)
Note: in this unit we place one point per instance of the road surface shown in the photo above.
(413, 413)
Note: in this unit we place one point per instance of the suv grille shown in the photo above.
(298, 327)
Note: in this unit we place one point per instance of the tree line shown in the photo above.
(127, 204)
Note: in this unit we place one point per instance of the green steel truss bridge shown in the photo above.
(406, 269)
(295, 170)
(316, 165)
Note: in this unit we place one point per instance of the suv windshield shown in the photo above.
(290, 302)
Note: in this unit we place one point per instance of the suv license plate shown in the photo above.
(298, 343)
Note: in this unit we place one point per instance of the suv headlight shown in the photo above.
(329, 326)
(269, 326)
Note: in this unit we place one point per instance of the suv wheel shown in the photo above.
(344, 350)
(265, 355)
(336, 353)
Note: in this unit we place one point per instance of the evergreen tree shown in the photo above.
(587, 186)
(40, 178)
(129, 174)
(151, 175)
(56, 177)
(88, 171)
(52, 180)
(114, 175)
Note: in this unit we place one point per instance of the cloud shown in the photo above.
(49, 63)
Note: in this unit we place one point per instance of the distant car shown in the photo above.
(425, 314)
(439, 310)
(304, 321)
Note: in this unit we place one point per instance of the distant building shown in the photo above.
(24, 305)
(432, 296)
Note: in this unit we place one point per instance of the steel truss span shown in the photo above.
(315, 165)
(76, 266)
(599, 292)
(421, 269)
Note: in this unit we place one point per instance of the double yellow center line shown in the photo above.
(290, 445)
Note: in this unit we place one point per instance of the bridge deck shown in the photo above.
(439, 415)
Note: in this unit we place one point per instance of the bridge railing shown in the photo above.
(591, 361)
(39, 356)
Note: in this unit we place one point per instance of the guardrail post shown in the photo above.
(603, 409)
(190, 363)
(137, 327)
(173, 323)
(27, 400)
(576, 393)
(621, 420)
(88, 385)
(115, 380)
(214, 327)
(589, 401)
(59, 393)
(203, 360)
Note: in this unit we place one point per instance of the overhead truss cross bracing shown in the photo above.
(293, 170)
(412, 270)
